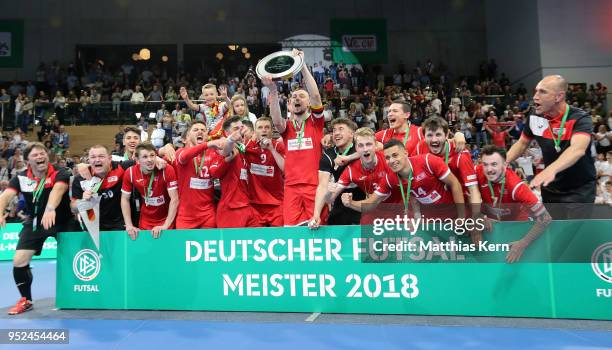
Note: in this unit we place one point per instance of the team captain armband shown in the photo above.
(316, 109)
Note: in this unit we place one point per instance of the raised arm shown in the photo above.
(310, 82)
(517, 149)
(275, 111)
(187, 100)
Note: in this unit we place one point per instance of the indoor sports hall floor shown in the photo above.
(99, 329)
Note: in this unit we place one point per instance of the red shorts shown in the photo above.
(269, 215)
(298, 204)
(197, 219)
(148, 225)
(239, 217)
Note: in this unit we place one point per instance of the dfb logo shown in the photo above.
(601, 262)
(86, 265)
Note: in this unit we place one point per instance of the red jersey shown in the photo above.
(366, 179)
(154, 205)
(415, 135)
(266, 178)
(196, 188)
(234, 184)
(515, 191)
(427, 187)
(459, 163)
(499, 138)
(302, 159)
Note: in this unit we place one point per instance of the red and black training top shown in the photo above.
(111, 218)
(26, 183)
(576, 183)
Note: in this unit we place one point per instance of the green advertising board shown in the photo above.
(332, 270)
(358, 41)
(11, 43)
(9, 236)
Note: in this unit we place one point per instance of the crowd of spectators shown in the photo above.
(487, 108)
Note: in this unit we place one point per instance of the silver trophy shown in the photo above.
(280, 65)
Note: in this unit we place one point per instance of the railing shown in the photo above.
(102, 113)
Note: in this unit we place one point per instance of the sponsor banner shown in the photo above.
(298, 270)
(358, 41)
(11, 43)
(9, 236)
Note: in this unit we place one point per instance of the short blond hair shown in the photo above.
(210, 86)
(365, 132)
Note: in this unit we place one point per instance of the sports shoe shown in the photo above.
(22, 306)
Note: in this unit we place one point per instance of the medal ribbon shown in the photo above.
(405, 195)
(149, 191)
(195, 164)
(501, 192)
(557, 140)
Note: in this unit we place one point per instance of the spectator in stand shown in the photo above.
(604, 195)
(84, 102)
(498, 135)
(5, 101)
(19, 167)
(171, 95)
(526, 162)
(59, 105)
(5, 173)
(72, 106)
(481, 133)
(27, 114)
(603, 137)
(126, 93)
(156, 97)
(19, 102)
(157, 136)
(370, 117)
(95, 98)
(168, 125)
(116, 99)
(239, 107)
(137, 100)
(42, 104)
(603, 168)
(61, 140)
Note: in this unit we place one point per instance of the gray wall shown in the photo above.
(513, 39)
(532, 39)
(452, 31)
(576, 40)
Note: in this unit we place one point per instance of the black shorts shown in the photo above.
(570, 205)
(30, 239)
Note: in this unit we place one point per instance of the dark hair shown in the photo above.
(435, 123)
(131, 129)
(146, 146)
(31, 146)
(405, 105)
(248, 124)
(492, 149)
(394, 142)
(194, 123)
(351, 124)
(231, 120)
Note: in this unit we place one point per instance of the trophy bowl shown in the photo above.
(280, 65)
